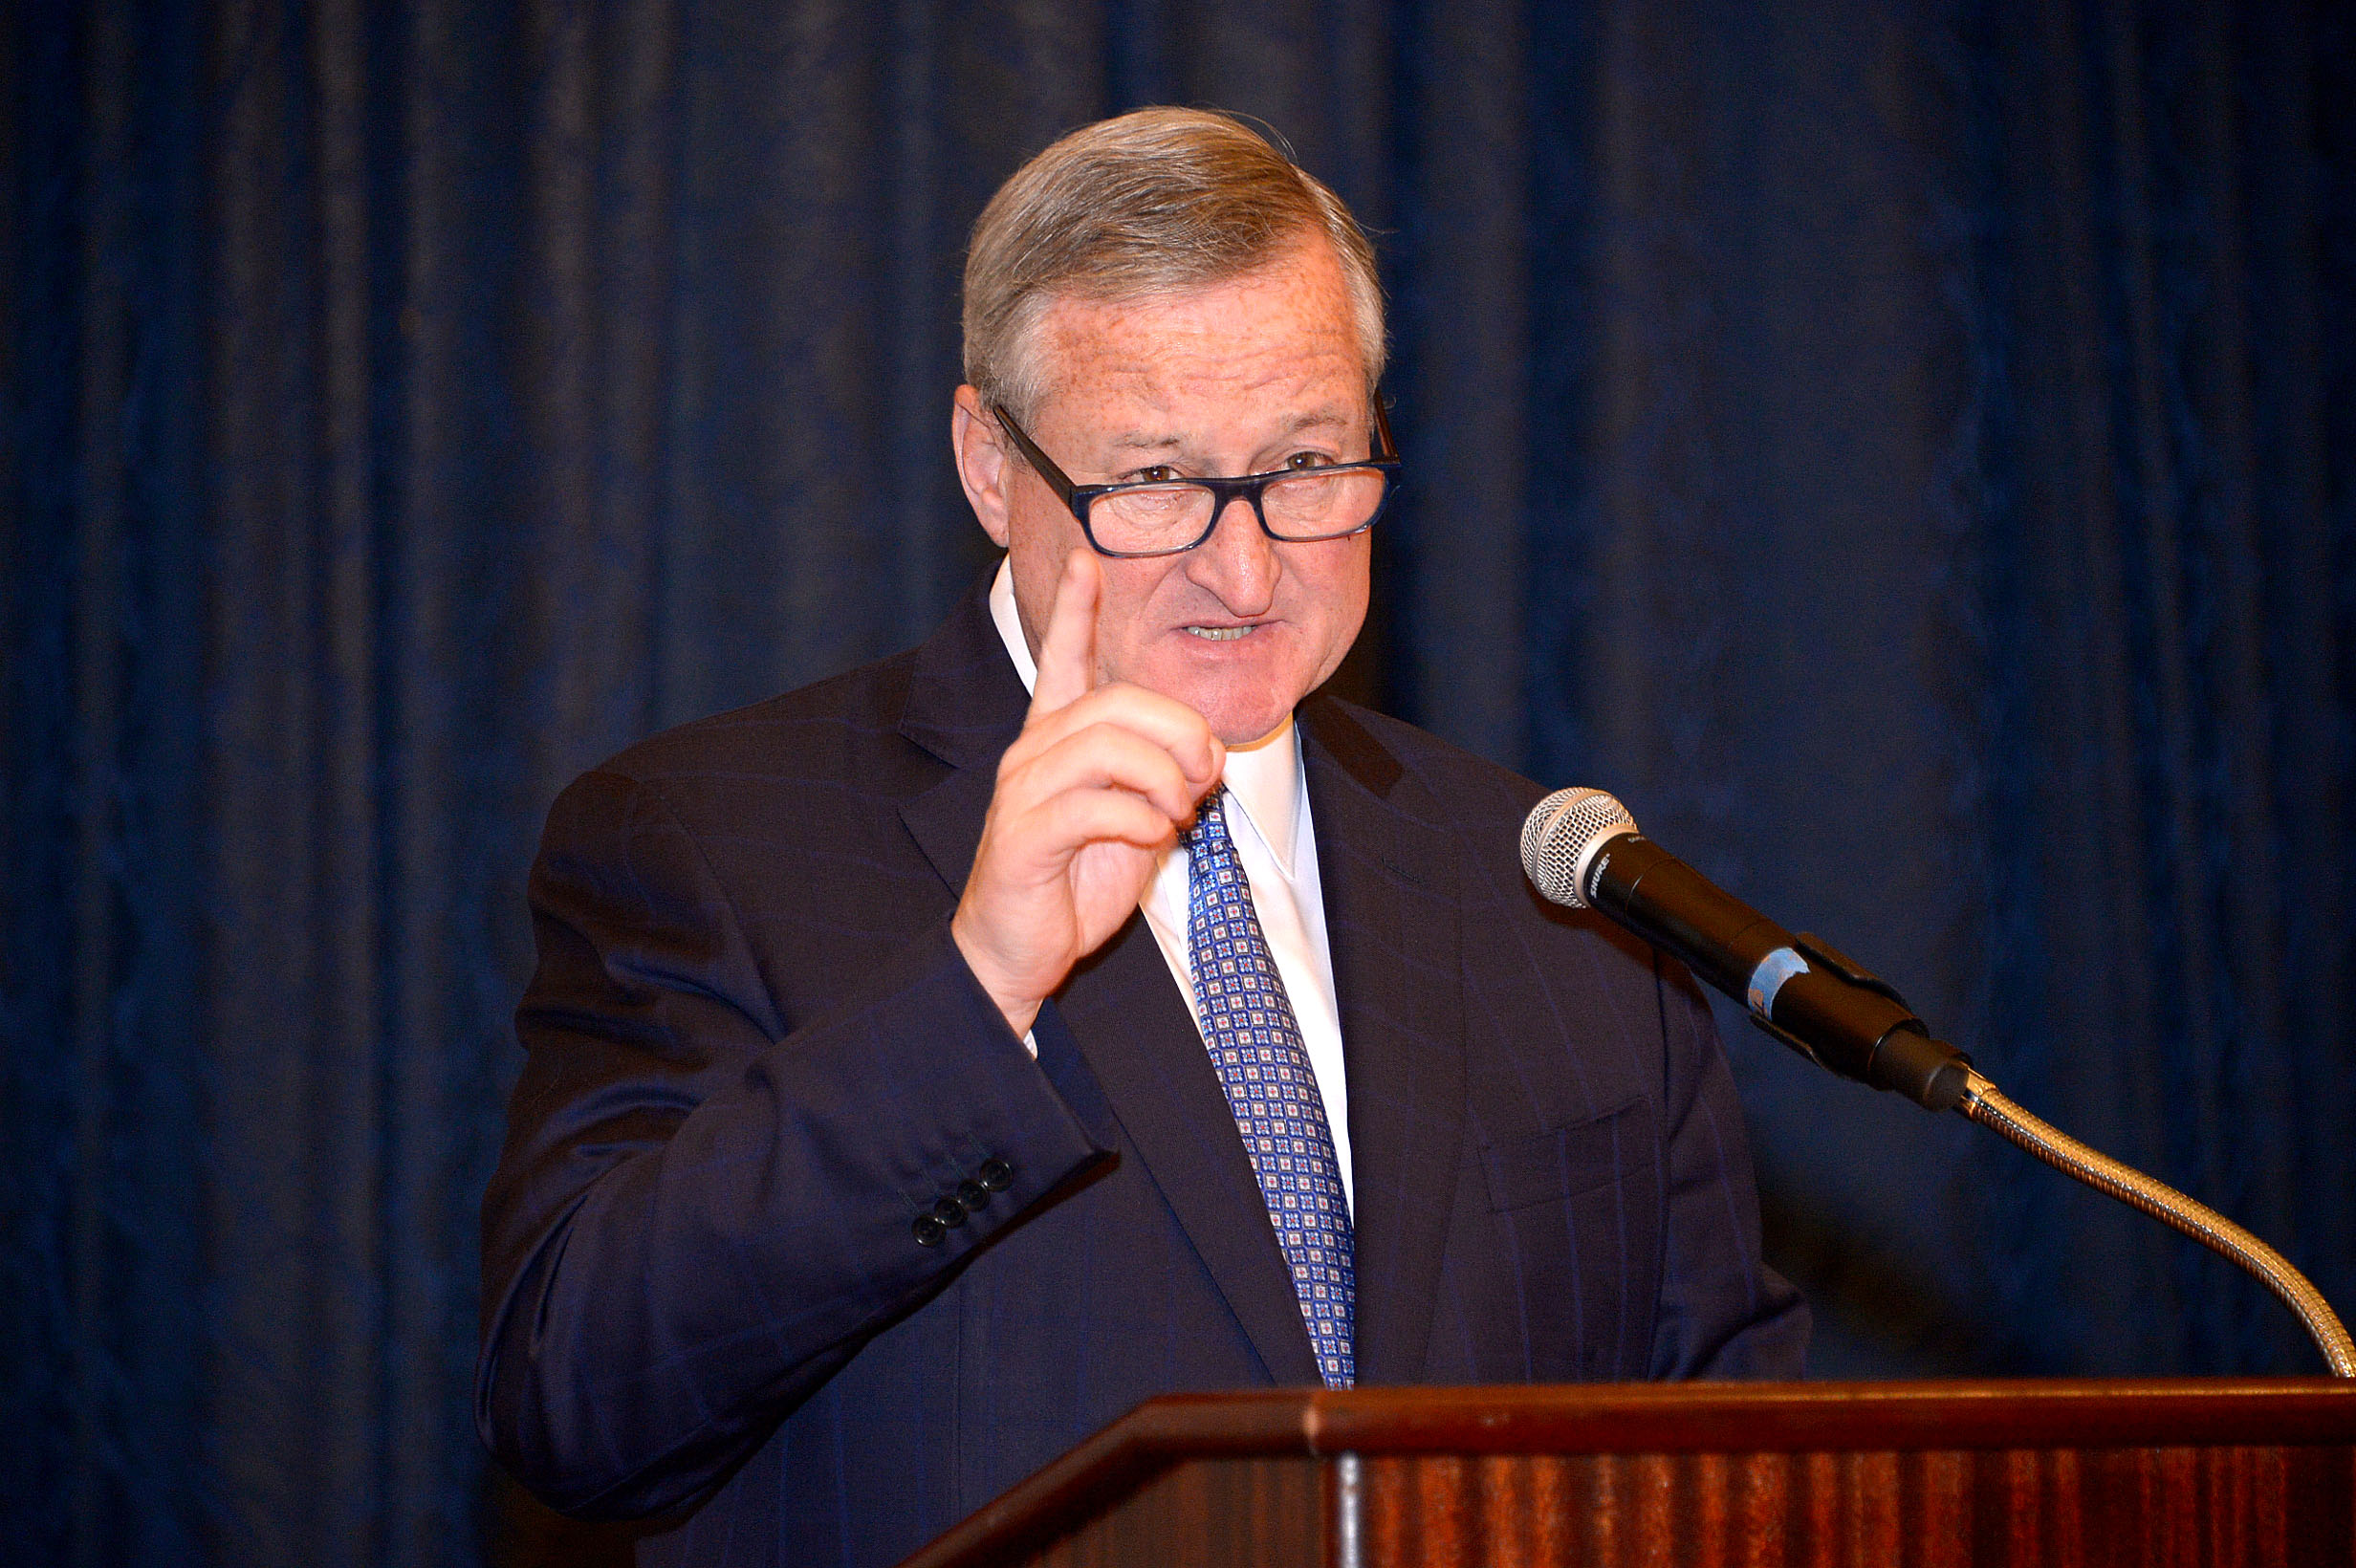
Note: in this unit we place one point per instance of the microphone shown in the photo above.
(1583, 850)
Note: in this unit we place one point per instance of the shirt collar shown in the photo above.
(1009, 621)
(1263, 777)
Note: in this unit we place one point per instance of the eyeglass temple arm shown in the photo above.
(1040, 463)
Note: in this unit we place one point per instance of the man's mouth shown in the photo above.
(1218, 634)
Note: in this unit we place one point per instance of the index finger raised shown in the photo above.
(1067, 650)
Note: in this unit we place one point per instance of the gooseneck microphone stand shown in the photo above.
(1984, 1103)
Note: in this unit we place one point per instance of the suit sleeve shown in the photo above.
(1722, 1312)
(703, 1208)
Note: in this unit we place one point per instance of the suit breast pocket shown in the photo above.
(1564, 1162)
(1578, 1211)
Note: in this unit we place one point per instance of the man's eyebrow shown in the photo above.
(1314, 419)
(1317, 418)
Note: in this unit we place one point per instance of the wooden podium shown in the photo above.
(1860, 1476)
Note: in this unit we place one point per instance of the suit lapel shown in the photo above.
(965, 705)
(1125, 1010)
(1122, 1007)
(1393, 923)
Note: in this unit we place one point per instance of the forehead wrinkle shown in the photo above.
(1159, 359)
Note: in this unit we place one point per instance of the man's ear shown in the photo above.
(983, 464)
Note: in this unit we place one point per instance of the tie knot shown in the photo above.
(1209, 833)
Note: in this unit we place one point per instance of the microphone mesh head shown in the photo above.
(1562, 836)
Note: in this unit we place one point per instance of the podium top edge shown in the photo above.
(1804, 1417)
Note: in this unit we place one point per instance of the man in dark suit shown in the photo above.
(921, 1073)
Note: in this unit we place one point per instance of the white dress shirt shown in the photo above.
(1276, 843)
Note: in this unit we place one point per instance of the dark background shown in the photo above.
(1905, 450)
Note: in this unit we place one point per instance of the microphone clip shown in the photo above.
(1817, 951)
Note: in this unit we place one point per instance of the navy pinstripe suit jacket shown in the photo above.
(755, 1057)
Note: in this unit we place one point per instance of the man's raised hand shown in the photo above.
(1096, 786)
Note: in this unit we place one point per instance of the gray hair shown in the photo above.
(1153, 201)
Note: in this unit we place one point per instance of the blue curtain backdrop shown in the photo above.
(1906, 451)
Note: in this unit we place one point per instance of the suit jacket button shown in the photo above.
(974, 1196)
(996, 1175)
(929, 1232)
(949, 1212)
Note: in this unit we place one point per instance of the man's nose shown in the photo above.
(1238, 562)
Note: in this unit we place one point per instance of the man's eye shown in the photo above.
(1308, 459)
(1160, 474)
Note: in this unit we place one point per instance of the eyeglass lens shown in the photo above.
(1313, 505)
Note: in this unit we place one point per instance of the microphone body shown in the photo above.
(1584, 850)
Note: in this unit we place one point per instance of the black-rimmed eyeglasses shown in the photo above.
(1170, 516)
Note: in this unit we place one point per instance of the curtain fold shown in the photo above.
(1904, 450)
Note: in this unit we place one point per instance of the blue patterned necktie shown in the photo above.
(1257, 1050)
